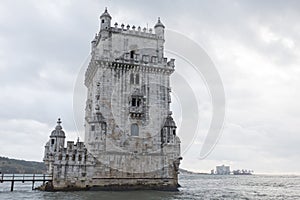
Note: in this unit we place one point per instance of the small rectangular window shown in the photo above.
(138, 102)
(133, 102)
(137, 79)
(145, 58)
(154, 59)
(131, 78)
(131, 54)
(136, 57)
(93, 128)
(134, 130)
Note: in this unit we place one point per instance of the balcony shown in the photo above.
(136, 112)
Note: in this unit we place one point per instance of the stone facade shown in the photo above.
(130, 135)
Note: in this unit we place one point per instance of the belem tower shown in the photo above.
(130, 136)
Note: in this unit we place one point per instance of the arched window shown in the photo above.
(131, 78)
(137, 79)
(134, 130)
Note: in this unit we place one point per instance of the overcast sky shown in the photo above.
(253, 44)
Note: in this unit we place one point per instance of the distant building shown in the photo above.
(130, 135)
(223, 170)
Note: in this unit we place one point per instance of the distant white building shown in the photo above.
(223, 170)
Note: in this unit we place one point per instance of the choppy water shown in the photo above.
(193, 187)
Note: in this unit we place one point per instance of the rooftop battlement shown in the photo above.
(137, 31)
(129, 44)
(105, 25)
(132, 31)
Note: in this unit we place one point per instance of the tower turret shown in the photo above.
(159, 29)
(105, 21)
(168, 133)
(57, 138)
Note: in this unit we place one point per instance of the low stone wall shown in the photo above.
(112, 184)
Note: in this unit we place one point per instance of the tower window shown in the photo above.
(134, 130)
(131, 78)
(136, 57)
(133, 102)
(131, 54)
(137, 79)
(102, 21)
(52, 141)
(93, 128)
(145, 58)
(154, 59)
(103, 127)
(138, 103)
(168, 134)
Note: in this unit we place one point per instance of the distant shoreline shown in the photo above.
(12, 165)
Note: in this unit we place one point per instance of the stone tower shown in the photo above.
(130, 135)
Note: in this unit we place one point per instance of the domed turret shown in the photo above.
(57, 137)
(105, 21)
(170, 122)
(159, 24)
(168, 132)
(58, 132)
(105, 14)
(159, 29)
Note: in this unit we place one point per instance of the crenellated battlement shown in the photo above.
(133, 30)
(125, 43)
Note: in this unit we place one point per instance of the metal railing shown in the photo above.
(24, 178)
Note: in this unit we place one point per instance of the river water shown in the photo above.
(193, 187)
